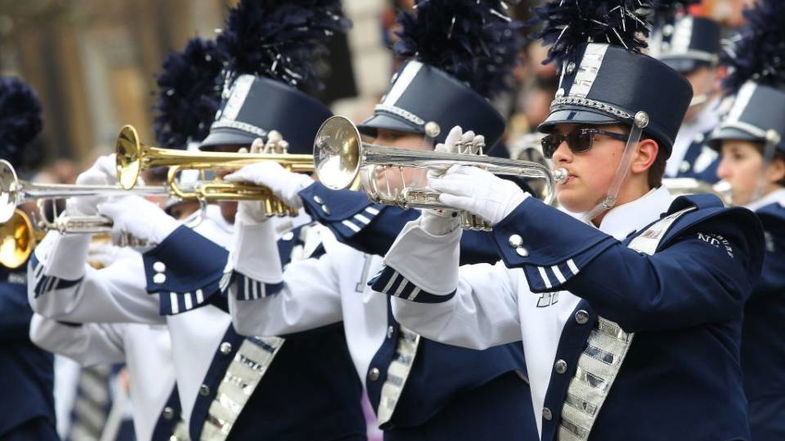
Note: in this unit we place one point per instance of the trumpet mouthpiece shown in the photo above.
(560, 175)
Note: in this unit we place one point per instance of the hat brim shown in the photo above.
(386, 122)
(724, 133)
(685, 65)
(576, 116)
(226, 136)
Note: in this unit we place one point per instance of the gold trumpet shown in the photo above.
(17, 240)
(340, 155)
(133, 157)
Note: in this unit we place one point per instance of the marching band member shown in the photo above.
(420, 389)
(752, 143)
(231, 387)
(691, 46)
(145, 349)
(27, 410)
(631, 322)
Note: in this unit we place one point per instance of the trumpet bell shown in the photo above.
(129, 163)
(336, 153)
(17, 240)
(8, 190)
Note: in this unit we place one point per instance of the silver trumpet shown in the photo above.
(340, 155)
(14, 192)
(685, 186)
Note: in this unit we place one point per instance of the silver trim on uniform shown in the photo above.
(601, 360)
(397, 374)
(405, 114)
(243, 375)
(593, 104)
(239, 125)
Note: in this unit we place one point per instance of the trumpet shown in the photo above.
(17, 240)
(133, 157)
(340, 155)
(685, 186)
(14, 192)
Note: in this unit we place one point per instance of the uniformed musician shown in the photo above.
(750, 140)
(297, 387)
(631, 322)
(691, 45)
(420, 389)
(27, 379)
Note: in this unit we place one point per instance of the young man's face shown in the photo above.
(394, 178)
(590, 172)
(741, 166)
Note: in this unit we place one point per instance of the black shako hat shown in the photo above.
(685, 42)
(268, 46)
(757, 79)
(460, 54)
(610, 83)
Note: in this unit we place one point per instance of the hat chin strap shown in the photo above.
(772, 139)
(640, 122)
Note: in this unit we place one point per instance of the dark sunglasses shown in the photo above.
(579, 140)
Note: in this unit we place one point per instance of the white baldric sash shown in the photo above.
(245, 372)
(601, 361)
(397, 373)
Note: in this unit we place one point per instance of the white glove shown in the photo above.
(139, 217)
(285, 184)
(102, 172)
(478, 191)
(441, 222)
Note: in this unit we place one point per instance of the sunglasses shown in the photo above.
(579, 140)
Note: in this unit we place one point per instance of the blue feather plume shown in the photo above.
(189, 94)
(569, 23)
(278, 39)
(757, 52)
(473, 40)
(20, 118)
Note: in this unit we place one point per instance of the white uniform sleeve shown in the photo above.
(62, 286)
(306, 297)
(87, 344)
(482, 313)
(474, 307)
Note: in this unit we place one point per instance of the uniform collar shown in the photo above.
(633, 216)
(776, 196)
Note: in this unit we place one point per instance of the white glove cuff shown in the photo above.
(417, 255)
(290, 194)
(64, 256)
(439, 224)
(250, 213)
(255, 252)
(163, 227)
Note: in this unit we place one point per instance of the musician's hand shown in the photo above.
(284, 183)
(442, 221)
(478, 191)
(139, 217)
(102, 172)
